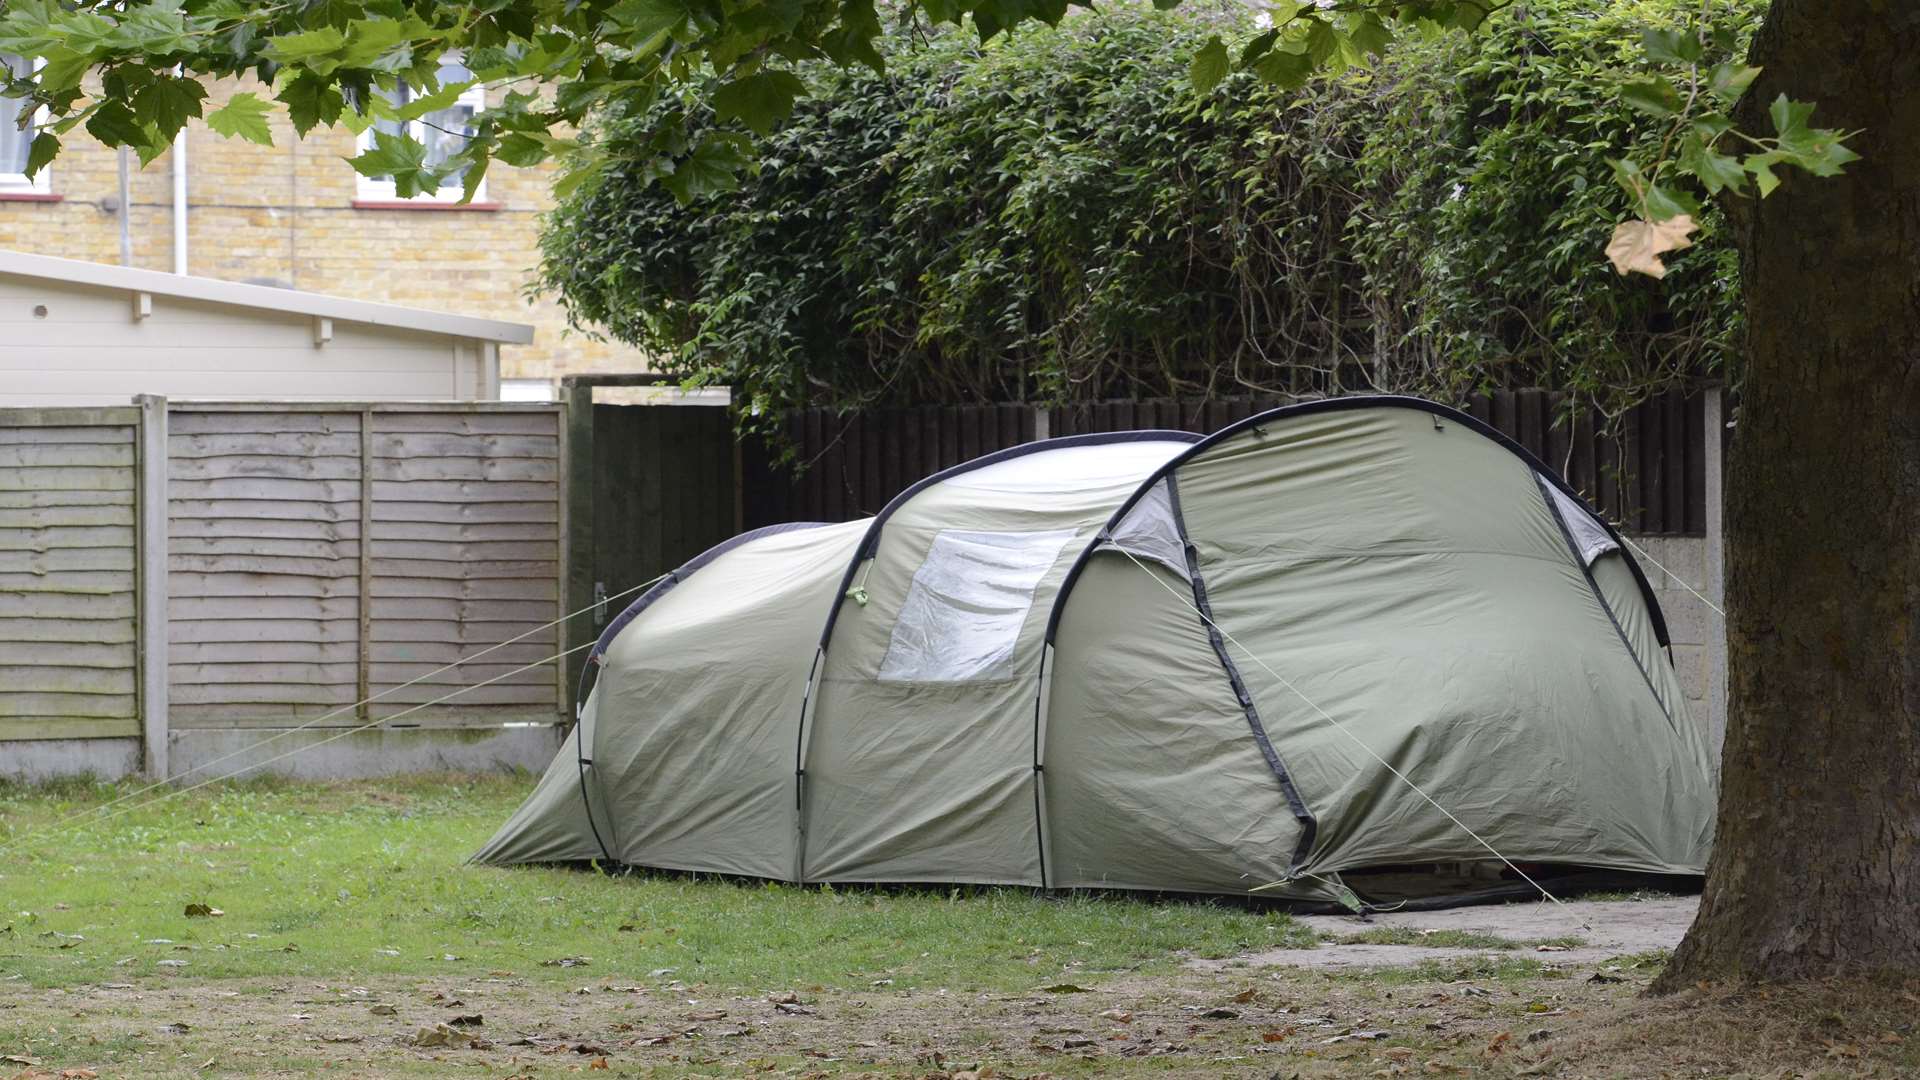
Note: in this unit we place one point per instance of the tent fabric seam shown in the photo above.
(1309, 825)
(1593, 586)
(641, 603)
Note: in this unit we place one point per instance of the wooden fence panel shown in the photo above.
(69, 663)
(1648, 475)
(321, 555)
(263, 565)
(464, 548)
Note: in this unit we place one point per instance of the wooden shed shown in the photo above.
(81, 333)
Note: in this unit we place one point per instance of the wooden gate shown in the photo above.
(650, 487)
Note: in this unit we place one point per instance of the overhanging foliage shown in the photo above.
(1061, 216)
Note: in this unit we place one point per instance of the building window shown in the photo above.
(443, 132)
(16, 139)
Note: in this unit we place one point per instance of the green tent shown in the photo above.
(1150, 660)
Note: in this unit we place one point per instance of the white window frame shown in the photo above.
(41, 183)
(381, 189)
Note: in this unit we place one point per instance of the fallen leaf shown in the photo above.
(654, 1040)
(1274, 1036)
(786, 997)
(175, 1028)
(793, 1010)
(567, 962)
(383, 1010)
(597, 1063)
(1220, 1014)
(1065, 988)
(1499, 1042)
(1603, 977)
(1118, 1016)
(708, 1016)
(1549, 948)
(1245, 996)
(1364, 1036)
(203, 911)
(471, 1020)
(438, 1035)
(1637, 245)
(78, 1074)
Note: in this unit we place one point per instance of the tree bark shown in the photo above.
(1816, 866)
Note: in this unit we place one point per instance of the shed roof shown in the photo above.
(75, 271)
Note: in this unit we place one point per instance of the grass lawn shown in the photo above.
(353, 938)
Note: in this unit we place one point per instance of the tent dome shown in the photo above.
(1262, 660)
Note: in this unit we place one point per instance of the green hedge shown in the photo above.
(1059, 217)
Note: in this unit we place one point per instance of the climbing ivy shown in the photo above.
(1063, 215)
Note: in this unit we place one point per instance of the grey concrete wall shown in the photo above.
(1682, 570)
(196, 755)
(35, 760)
(304, 755)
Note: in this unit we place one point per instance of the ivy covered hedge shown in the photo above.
(1059, 216)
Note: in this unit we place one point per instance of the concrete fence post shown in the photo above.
(150, 606)
(1714, 431)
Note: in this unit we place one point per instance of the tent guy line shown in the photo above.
(1697, 594)
(93, 811)
(150, 803)
(1342, 728)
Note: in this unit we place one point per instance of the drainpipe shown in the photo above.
(180, 202)
(126, 211)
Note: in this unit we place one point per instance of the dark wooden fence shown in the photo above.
(1649, 475)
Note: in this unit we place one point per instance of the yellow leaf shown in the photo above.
(1637, 245)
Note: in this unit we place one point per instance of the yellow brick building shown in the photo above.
(296, 215)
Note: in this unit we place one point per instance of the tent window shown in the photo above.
(969, 599)
(1588, 534)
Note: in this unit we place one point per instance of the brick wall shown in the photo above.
(285, 215)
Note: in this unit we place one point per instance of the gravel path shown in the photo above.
(1608, 928)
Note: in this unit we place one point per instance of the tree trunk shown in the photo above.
(1816, 868)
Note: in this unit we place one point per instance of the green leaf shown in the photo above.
(1208, 66)
(759, 101)
(477, 162)
(44, 148)
(1671, 47)
(520, 150)
(1730, 80)
(1288, 70)
(1257, 47)
(647, 19)
(1716, 171)
(1323, 41)
(1789, 117)
(713, 167)
(115, 125)
(63, 70)
(1370, 36)
(309, 45)
(400, 158)
(311, 102)
(1761, 166)
(444, 98)
(245, 116)
(1654, 96)
(1663, 202)
(169, 102)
